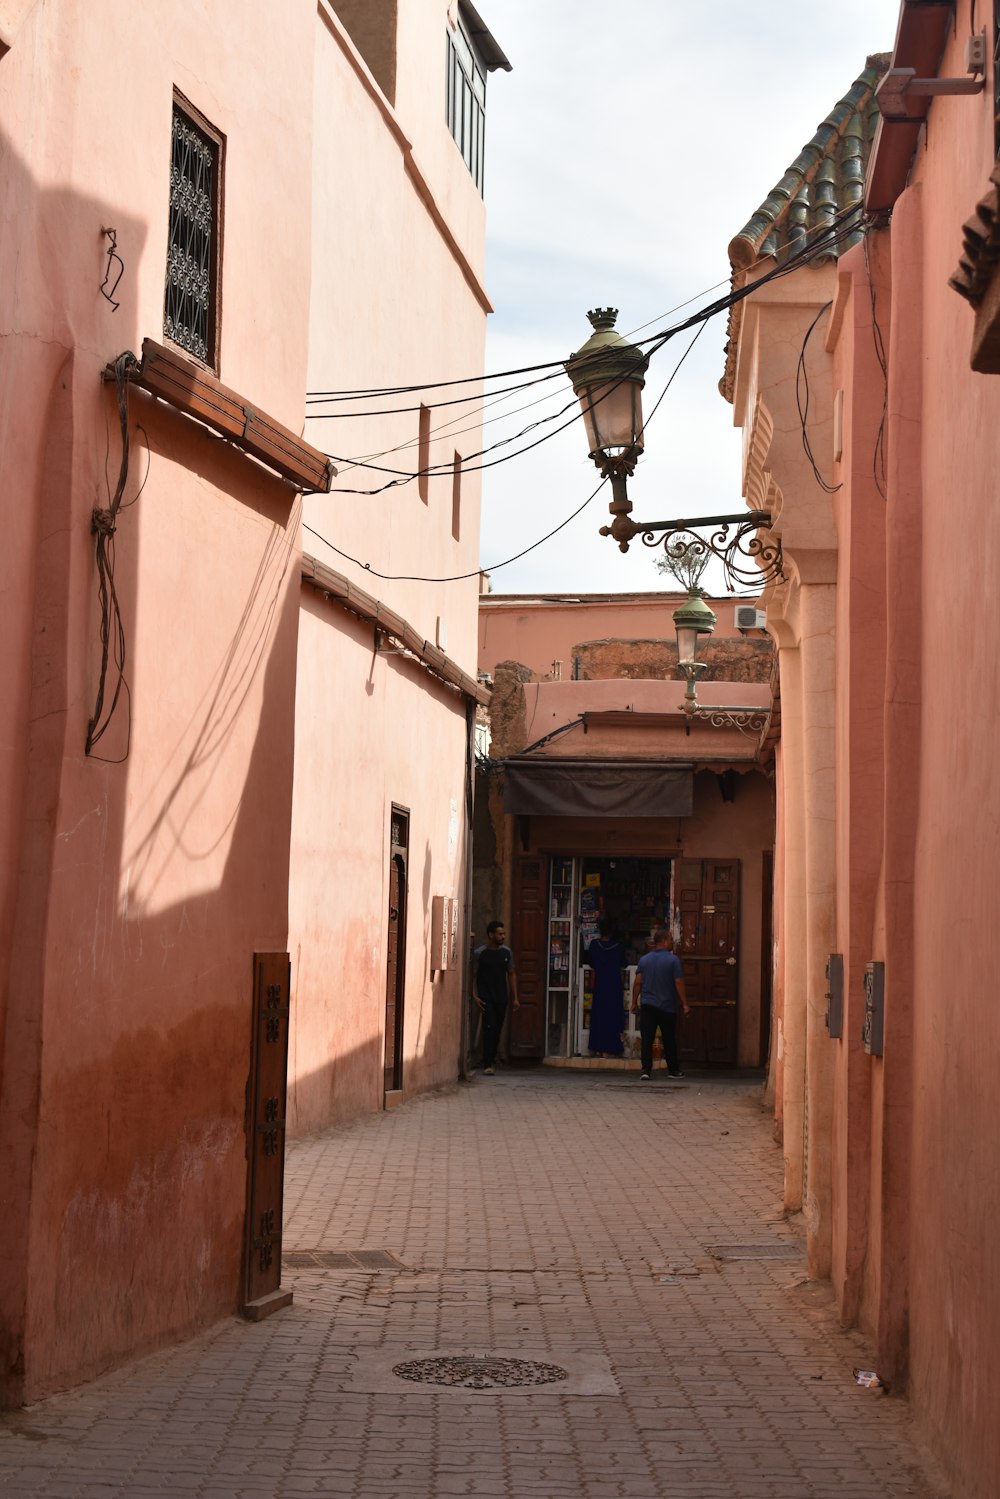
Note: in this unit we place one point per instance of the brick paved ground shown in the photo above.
(548, 1217)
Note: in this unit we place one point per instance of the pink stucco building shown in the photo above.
(597, 797)
(219, 752)
(886, 1037)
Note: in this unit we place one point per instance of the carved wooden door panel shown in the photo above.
(708, 895)
(396, 951)
(529, 943)
(267, 1091)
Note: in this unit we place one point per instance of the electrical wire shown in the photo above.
(495, 397)
(495, 567)
(448, 428)
(839, 226)
(112, 629)
(802, 403)
(402, 477)
(457, 577)
(879, 453)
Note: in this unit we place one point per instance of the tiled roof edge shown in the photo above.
(744, 248)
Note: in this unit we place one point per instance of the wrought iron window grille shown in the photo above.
(190, 313)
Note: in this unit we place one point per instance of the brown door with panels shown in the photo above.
(266, 1095)
(707, 892)
(399, 839)
(528, 939)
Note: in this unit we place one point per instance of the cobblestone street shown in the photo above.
(584, 1221)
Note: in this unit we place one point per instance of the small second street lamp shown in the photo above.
(608, 374)
(692, 619)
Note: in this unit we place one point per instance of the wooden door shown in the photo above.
(707, 892)
(395, 972)
(528, 941)
(266, 1099)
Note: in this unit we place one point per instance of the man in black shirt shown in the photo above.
(493, 980)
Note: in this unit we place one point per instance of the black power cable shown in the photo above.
(840, 225)
(495, 566)
(847, 227)
(802, 403)
(879, 454)
(103, 523)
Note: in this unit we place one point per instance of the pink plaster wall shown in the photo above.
(917, 1186)
(550, 706)
(136, 888)
(339, 893)
(391, 303)
(396, 297)
(943, 530)
(537, 631)
(859, 513)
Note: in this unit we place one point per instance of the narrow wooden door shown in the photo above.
(708, 896)
(396, 952)
(266, 1099)
(528, 941)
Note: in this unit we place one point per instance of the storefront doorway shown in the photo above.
(558, 904)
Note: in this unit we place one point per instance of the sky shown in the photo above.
(627, 147)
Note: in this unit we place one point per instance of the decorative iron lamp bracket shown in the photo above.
(719, 715)
(747, 720)
(749, 559)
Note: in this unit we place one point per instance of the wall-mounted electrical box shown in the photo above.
(835, 994)
(872, 1031)
(444, 932)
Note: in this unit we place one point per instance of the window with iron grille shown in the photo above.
(466, 105)
(190, 313)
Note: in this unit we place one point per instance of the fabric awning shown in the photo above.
(589, 788)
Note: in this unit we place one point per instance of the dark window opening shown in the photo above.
(424, 453)
(456, 497)
(190, 312)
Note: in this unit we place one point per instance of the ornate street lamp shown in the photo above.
(608, 374)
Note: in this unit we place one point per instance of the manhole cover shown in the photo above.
(479, 1373)
(754, 1251)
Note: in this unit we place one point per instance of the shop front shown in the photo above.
(582, 862)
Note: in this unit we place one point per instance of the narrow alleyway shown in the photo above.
(573, 1221)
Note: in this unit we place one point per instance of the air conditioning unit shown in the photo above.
(746, 617)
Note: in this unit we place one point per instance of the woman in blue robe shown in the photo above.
(606, 956)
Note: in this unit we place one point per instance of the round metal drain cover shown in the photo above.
(479, 1373)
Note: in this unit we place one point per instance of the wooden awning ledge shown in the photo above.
(187, 386)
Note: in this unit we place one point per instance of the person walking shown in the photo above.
(493, 981)
(656, 991)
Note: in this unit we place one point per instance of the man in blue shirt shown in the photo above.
(658, 985)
